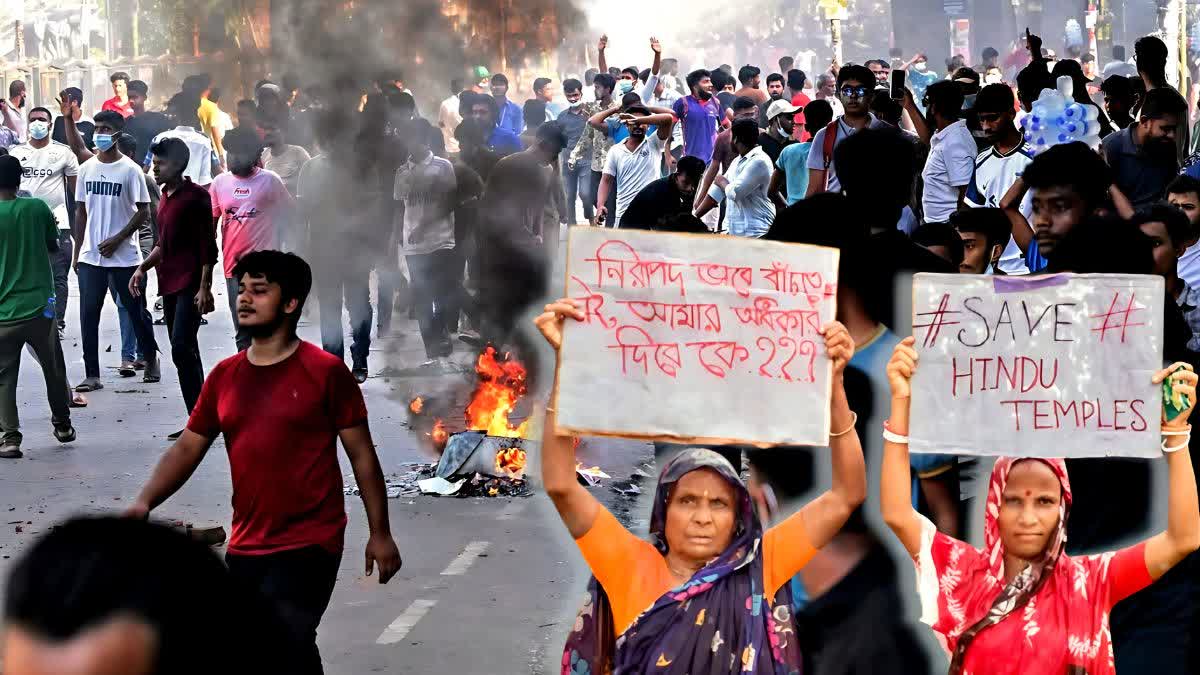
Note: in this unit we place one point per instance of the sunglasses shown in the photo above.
(855, 92)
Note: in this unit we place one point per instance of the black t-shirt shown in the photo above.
(86, 129)
(773, 145)
(144, 128)
(654, 205)
(726, 98)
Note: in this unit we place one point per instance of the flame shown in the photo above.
(417, 405)
(501, 384)
(439, 435)
(511, 461)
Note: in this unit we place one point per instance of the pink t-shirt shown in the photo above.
(250, 210)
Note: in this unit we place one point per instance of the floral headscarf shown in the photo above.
(720, 621)
(1060, 601)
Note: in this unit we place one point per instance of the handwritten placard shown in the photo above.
(1056, 366)
(697, 338)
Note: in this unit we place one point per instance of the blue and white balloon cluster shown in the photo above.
(1057, 118)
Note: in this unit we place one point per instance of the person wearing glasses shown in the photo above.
(952, 151)
(855, 86)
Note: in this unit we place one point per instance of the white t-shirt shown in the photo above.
(994, 175)
(950, 166)
(425, 187)
(110, 192)
(448, 120)
(43, 175)
(200, 153)
(816, 156)
(634, 170)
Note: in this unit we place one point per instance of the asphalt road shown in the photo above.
(489, 585)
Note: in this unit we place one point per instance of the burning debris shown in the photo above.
(491, 456)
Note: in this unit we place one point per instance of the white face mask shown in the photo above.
(39, 129)
(921, 66)
(993, 78)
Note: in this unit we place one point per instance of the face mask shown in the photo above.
(39, 129)
(921, 66)
(989, 269)
(993, 78)
(624, 86)
(103, 141)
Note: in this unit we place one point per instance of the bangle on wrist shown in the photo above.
(850, 428)
(1186, 440)
(893, 437)
(1185, 431)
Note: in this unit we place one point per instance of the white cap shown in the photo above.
(781, 107)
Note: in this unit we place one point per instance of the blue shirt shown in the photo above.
(511, 118)
(793, 161)
(504, 141)
(1034, 260)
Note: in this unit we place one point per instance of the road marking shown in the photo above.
(405, 622)
(459, 565)
(512, 510)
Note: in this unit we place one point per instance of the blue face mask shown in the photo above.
(624, 86)
(103, 141)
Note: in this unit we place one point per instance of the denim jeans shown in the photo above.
(297, 584)
(129, 347)
(60, 263)
(611, 219)
(578, 183)
(41, 334)
(242, 336)
(389, 282)
(351, 282)
(434, 279)
(183, 324)
(94, 283)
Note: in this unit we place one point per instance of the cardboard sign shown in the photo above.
(697, 338)
(1053, 366)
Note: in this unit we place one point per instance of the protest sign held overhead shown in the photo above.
(697, 338)
(1057, 366)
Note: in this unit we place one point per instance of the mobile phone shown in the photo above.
(897, 84)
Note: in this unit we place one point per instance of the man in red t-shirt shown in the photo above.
(795, 81)
(119, 103)
(282, 405)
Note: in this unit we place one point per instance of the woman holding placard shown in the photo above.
(711, 593)
(1022, 605)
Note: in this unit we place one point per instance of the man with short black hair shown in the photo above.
(289, 515)
(593, 145)
(1184, 194)
(576, 177)
(27, 234)
(789, 183)
(951, 162)
(985, 232)
(119, 103)
(143, 124)
(47, 168)
(856, 86)
(482, 108)
(73, 96)
(665, 198)
(185, 255)
(508, 114)
(881, 70)
(749, 211)
(248, 203)
(1142, 156)
(775, 92)
(112, 204)
(750, 78)
(998, 166)
(634, 163)
(699, 113)
(1119, 100)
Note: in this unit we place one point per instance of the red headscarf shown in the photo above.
(1051, 619)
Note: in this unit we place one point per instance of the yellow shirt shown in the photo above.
(209, 114)
(635, 575)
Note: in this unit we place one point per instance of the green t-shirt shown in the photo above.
(27, 231)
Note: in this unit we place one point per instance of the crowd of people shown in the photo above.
(459, 221)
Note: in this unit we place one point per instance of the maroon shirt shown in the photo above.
(186, 236)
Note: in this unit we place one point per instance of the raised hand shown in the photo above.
(1183, 384)
(901, 367)
(655, 45)
(603, 44)
(550, 322)
(838, 345)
